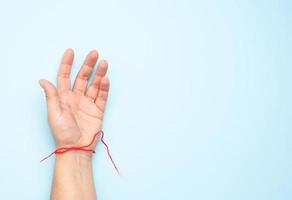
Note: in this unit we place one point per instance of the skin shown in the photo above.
(75, 115)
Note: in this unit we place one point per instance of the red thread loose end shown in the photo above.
(108, 153)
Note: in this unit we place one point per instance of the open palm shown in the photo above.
(76, 114)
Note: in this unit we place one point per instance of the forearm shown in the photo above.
(73, 177)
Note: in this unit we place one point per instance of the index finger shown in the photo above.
(63, 78)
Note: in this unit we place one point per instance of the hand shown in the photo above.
(76, 115)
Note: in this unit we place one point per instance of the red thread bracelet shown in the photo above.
(84, 148)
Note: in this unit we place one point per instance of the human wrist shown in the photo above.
(73, 173)
(74, 156)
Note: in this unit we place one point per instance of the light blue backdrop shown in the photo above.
(200, 100)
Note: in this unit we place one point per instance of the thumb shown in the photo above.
(51, 96)
(50, 90)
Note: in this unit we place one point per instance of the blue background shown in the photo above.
(200, 100)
